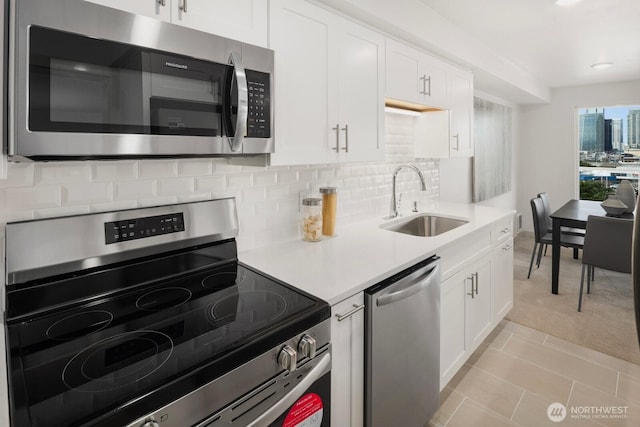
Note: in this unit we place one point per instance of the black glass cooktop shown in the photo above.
(163, 336)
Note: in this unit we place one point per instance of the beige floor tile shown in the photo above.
(588, 402)
(492, 392)
(628, 389)
(562, 363)
(532, 412)
(450, 400)
(473, 414)
(524, 332)
(627, 368)
(527, 375)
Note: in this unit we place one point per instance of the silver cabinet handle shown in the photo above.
(243, 99)
(476, 281)
(428, 92)
(505, 230)
(424, 84)
(414, 287)
(473, 281)
(456, 136)
(346, 138)
(337, 129)
(281, 406)
(162, 2)
(183, 6)
(507, 247)
(356, 308)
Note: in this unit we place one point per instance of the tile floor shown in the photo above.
(517, 372)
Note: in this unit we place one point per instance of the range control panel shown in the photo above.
(139, 228)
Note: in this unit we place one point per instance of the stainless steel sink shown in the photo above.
(425, 225)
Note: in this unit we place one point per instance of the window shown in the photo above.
(609, 149)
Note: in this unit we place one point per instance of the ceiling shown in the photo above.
(555, 44)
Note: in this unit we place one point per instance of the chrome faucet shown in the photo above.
(394, 207)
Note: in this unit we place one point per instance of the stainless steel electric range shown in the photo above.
(145, 317)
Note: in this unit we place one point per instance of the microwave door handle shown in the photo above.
(243, 101)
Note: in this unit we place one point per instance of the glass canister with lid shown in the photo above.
(311, 219)
(329, 206)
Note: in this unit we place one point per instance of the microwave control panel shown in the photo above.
(140, 228)
(259, 119)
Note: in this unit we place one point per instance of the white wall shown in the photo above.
(548, 159)
(456, 175)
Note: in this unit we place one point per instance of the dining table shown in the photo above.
(572, 214)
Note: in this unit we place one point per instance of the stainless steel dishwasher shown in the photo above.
(402, 364)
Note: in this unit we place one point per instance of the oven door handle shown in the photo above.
(243, 101)
(278, 409)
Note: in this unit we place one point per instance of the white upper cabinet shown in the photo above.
(413, 76)
(244, 20)
(159, 9)
(461, 141)
(329, 86)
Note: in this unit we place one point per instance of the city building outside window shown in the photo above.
(609, 149)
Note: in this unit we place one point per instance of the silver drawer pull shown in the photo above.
(507, 247)
(162, 2)
(505, 230)
(356, 308)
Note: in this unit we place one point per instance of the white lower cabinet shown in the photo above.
(347, 369)
(465, 319)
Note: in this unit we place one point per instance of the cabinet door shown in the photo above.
(478, 305)
(244, 20)
(502, 280)
(360, 56)
(347, 370)
(159, 9)
(461, 115)
(303, 91)
(452, 324)
(433, 84)
(402, 72)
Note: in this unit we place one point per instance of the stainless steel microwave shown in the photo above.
(88, 81)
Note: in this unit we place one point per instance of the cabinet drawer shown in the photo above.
(502, 230)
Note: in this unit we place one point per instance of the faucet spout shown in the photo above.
(393, 213)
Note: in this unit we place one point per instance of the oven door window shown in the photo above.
(82, 84)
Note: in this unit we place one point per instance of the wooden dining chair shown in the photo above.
(543, 237)
(607, 245)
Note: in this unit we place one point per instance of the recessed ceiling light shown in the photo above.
(601, 65)
(567, 2)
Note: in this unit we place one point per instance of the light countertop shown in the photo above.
(362, 254)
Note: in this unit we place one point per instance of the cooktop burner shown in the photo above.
(161, 299)
(89, 321)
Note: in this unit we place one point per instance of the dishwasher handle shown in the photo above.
(413, 287)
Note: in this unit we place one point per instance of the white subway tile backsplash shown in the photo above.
(56, 173)
(194, 167)
(18, 175)
(29, 198)
(158, 168)
(114, 171)
(175, 186)
(264, 178)
(215, 184)
(135, 190)
(239, 181)
(268, 197)
(86, 193)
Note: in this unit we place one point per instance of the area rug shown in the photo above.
(606, 323)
